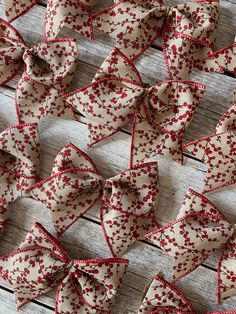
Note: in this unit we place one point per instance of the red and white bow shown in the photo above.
(199, 230)
(218, 151)
(163, 297)
(41, 264)
(224, 59)
(128, 199)
(19, 164)
(49, 69)
(73, 14)
(188, 30)
(161, 113)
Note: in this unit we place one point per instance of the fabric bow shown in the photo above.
(19, 164)
(163, 297)
(188, 30)
(73, 14)
(161, 113)
(41, 264)
(49, 69)
(128, 199)
(218, 151)
(199, 230)
(223, 59)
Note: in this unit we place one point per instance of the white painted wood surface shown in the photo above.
(85, 238)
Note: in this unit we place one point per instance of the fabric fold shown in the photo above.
(49, 67)
(41, 264)
(160, 114)
(128, 200)
(188, 30)
(199, 230)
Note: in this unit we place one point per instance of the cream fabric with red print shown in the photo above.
(188, 30)
(19, 164)
(225, 58)
(48, 70)
(160, 114)
(128, 200)
(15, 8)
(218, 151)
(41, 264)
(73, 14)
(163, 297)
(199, 230)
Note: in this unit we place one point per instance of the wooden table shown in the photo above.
(85, 238)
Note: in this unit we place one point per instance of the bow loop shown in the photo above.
(108, 104)
(52, 62)
(71, 157)
(40, 264)
(195, 20)
(195, 235)
(36, 267)
(12, 47)
(70, 191)
(72, 14)
(128, 206)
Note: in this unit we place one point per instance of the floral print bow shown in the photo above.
(188, 30)
(41, 264)
(19, 164)
(128, 199)
(49, 69)
(161, 113)
(218, 151)
(73, 14)
(199, 230)
(163, 297)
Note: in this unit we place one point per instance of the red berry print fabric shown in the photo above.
(41, 264)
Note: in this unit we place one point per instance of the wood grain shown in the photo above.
(85, 238)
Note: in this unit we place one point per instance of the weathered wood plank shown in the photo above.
(7, 305)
